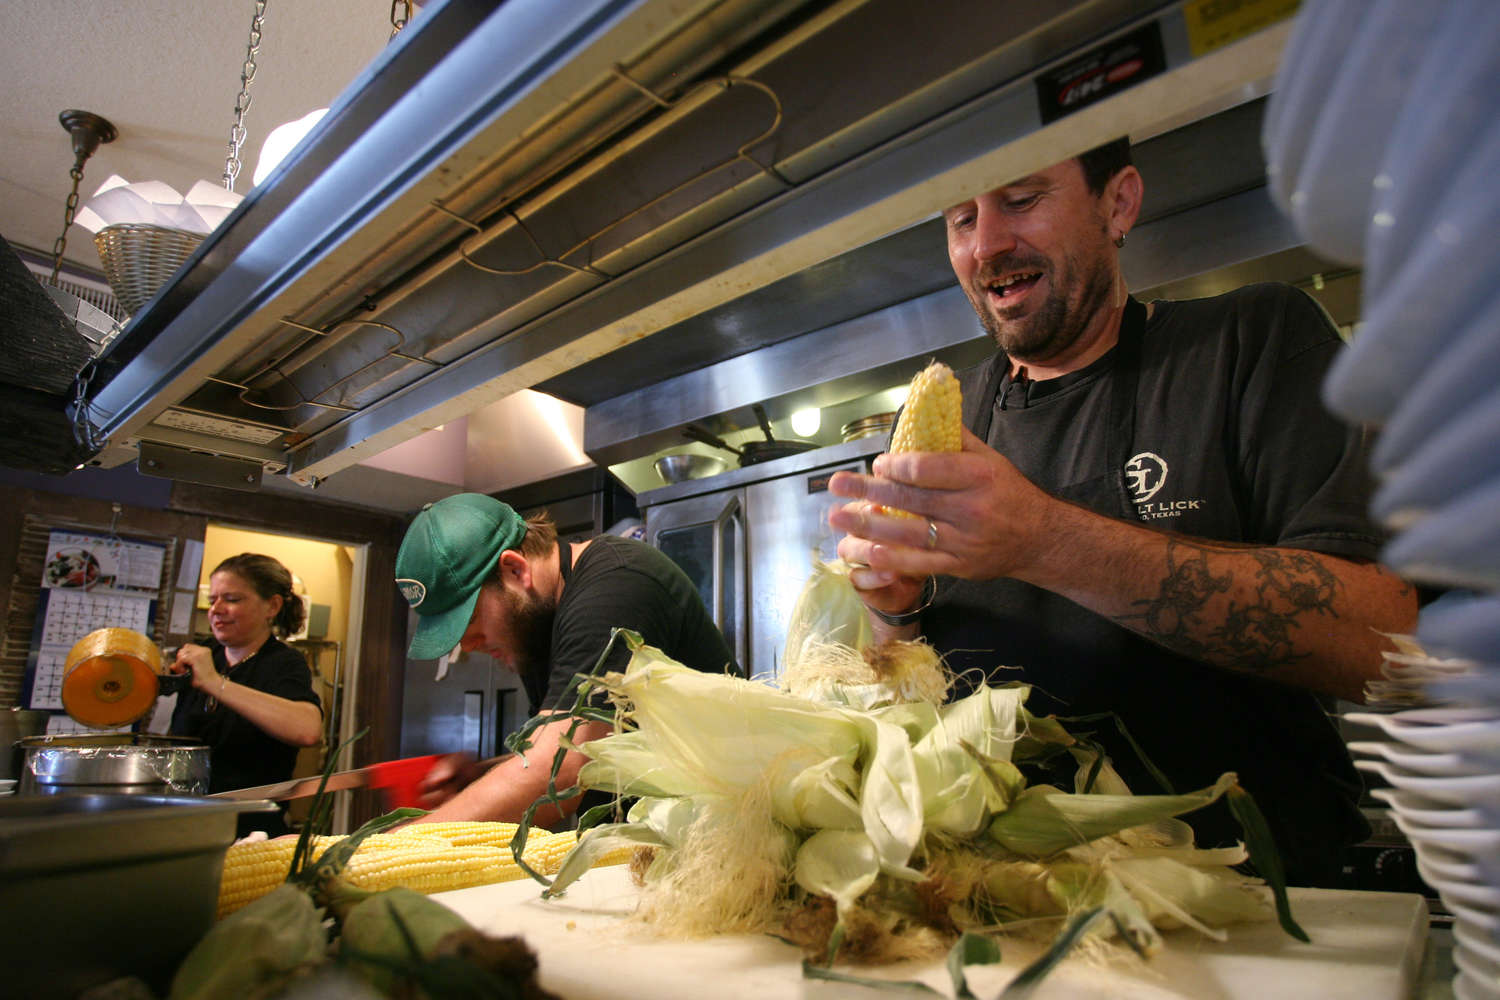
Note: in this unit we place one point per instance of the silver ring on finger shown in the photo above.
(931, 534)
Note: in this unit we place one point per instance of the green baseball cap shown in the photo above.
(448, 552)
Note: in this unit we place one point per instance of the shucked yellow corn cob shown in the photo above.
(254, 868)
(932, 419)
(425, 857)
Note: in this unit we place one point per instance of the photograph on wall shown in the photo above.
(99, 564)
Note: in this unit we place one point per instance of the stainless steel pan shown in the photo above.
(752, 452)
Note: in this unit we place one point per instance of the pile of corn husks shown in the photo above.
(852, 811)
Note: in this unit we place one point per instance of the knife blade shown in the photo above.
(297, 788)
(400, 778)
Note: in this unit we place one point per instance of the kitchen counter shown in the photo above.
(1365, 946)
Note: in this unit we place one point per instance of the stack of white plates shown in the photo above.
(1382, 144)
(1371, 173)
(1442, 766)
(1410, 677)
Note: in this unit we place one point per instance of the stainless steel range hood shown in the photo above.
(522, 195)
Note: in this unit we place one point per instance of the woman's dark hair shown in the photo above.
(1103, 162)
(268, 578)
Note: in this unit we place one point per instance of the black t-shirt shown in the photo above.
(623, 583)
(1230, 442)
(241, 754)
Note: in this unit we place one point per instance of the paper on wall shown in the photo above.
(181, 619)
(191, 565)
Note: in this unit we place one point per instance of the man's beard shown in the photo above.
(531, 620)
(1057, 324)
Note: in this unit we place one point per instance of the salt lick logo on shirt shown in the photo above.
(1145, 474)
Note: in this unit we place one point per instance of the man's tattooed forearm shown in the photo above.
(1254, 634)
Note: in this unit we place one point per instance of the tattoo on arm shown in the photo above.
(1254, 635)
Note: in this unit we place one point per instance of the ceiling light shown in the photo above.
(146, 231)
(805, 423)
(282, 140)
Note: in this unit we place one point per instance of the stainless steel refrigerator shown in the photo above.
(746, 538)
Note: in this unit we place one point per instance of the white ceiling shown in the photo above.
(166, 73)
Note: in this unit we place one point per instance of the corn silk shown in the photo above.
(854, 811)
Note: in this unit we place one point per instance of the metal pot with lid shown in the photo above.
(118, 763)
(871, 426)
(111, 679)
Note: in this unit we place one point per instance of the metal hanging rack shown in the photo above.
(721, 84)
(724, 84)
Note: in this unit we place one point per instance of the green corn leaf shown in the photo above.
(599, 842)
(685, 718)
(1039, 736)
(835, 942)
(960, 758)
(1031, 977)
(811, 971)
(969, 949)
(1264, 856)
(1043, 820)
(256, 950)
(1156, 773)
(332, 862)
(592, 817)
(828, 609)
(318, 816)
(520, 742)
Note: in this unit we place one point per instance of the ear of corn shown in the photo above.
(270, 942)
(461, 834)
(254, 868)
(932, 419)
(398, 927)
(917, 820)
(424, 857)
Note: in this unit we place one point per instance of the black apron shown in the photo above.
(1111, 490)
(1191, 720)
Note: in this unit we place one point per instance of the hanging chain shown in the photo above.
(399, 21)
(242, 100)
(84, 432)
(62, 239)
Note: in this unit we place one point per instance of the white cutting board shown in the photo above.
(1365, 946)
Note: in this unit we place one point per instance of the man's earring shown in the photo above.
(1120, 240)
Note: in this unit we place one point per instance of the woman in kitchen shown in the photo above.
(251, 698)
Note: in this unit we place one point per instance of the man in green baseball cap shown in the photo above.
(482, 578)
(448, 552)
